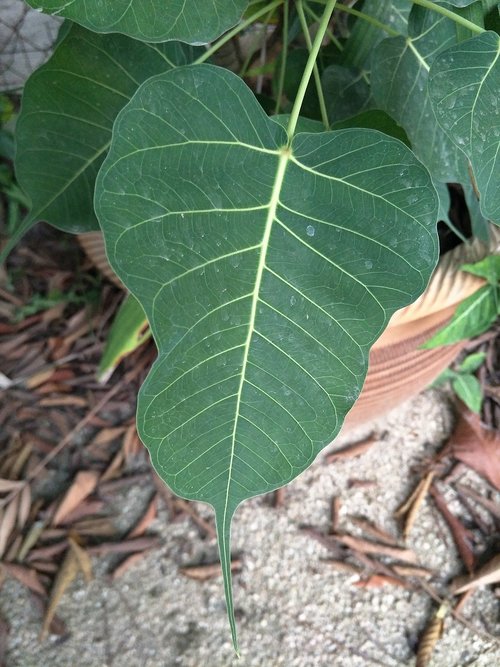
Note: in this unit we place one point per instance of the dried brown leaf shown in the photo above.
(10, 485)
(461, 535)
(127, 546)
(476, 447)
(83, 485)
(411, 507)
(126, 564)
(335, 507)
(66, 401)
(204, 572)
(83, 558)
(353, 450)
(431, 636)
(67, 573)
(367, 547)
(23, 511)
(343, 566)
(115, 468)
(187, 507)
(7, 523)
(148, 517)
(488, 574)
(374, 531)
(26, 576)
(377, 580)
(411, 571)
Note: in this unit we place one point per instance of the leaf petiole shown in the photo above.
(236, 30)
(308, 70)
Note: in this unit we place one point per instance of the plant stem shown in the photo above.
(369, 19)
(308, 70)
(284, 51)
(237, 29)
(428, 4)
(329, 33)
(317, 78)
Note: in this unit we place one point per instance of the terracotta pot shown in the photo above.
(397, 369)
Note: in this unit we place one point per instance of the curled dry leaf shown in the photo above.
(431, 636)
(144, 522)
(82, 486)
(476, 447)
(83, 558)
(367, 547)
(26, 576)
(410, 508)
(67, 573)
(7, 523)
(461, 535)
(488, 574)
(352, 450)
(377, 580)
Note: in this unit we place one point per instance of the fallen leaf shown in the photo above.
(461, 535)
(476, 447)
(377, 580)
(431, 636)
(343, 566)
(411, 507)
(374, 531)
(7, 522)
(24, 506)
(353, 450)
(144, 522)
(411, 571)
(126, 564)
(127, 546)
(84, 483)
(83, 558)
(26, 576)
(10, 485)
(488, 574)
(204, 572)
(367, 547)
(67, 573)
(335, 507)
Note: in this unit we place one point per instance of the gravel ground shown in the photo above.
(292, 608)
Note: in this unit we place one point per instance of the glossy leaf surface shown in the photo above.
(464, 86)
(266, 271)
(69, 106)
(188, 21)
(400, 70)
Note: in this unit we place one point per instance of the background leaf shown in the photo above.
(400, 69)
(347, 92)
(68, 109)
(468, 388)
(188, 21)
(464, 85)
(472, 362)
(472, 317)
(266, 273)
(487, 268)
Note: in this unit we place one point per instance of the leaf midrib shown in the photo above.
(284, 157)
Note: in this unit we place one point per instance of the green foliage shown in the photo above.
(477, 313)
(189, 21)
(267, 254)
(463, 381)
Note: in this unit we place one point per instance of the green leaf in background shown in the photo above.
(191, 21)
(472, 362)
(464, 86)
(480, 225)
(374, 119)
(472, 317)
(128, 332)
(69, 106)
(400, 69)
(347, 92)
(468, 389)
(266, 270)
(487, 268)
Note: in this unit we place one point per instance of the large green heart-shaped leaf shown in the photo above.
(464, 87)
(400, 70)
(191, 21)
(266, 269)
(69, 106)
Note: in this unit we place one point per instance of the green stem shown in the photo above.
(317, 78)
(237, 29)
(369, 19)
(428, 4)
(308, 70)
(329, 33)
(284, 52)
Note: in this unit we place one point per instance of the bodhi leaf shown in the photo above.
(400, 69)
(266, 270)
(68, 109)
(464, 85)
(191, 21)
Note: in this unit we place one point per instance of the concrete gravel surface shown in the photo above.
(293, 609)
